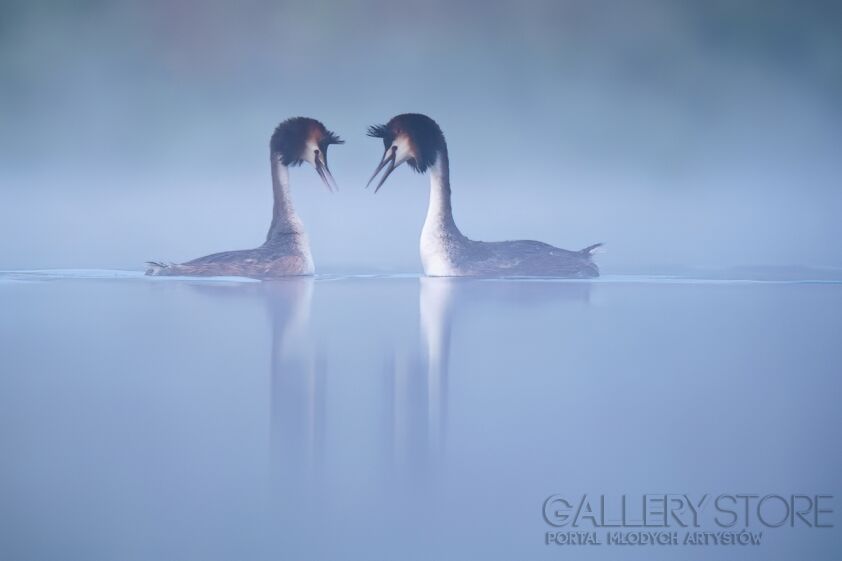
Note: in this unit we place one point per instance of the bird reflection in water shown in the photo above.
(420, 383)
(297, 374)
(298, 379)
(407, 415)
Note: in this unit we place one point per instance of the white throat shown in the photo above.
(439, 236)
(284, 219)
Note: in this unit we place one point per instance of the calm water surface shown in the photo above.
(402, 418)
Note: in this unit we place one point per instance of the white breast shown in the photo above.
(435, 257)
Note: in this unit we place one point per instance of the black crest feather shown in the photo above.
(290, 138)
(379, 131)
(331, 138)
(328, 139)
(424, 134)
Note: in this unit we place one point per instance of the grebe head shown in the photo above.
(412, 138)
(301, 139)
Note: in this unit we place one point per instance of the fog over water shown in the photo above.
(679, 133)
(370, 412)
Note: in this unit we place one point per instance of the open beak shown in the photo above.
(388, 158)
(324, 173)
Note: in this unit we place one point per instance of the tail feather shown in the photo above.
(156, 267)
(589, 251)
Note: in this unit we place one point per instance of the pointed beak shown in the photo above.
(324, 173)
(388, 158)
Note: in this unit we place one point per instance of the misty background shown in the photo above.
(679, 133)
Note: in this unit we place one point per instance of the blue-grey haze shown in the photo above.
(679, 133)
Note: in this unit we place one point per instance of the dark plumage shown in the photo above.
(424, 135)
(292, 135)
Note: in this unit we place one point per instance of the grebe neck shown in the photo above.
(284, 219)
(439, 221)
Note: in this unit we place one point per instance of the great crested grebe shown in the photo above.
(445, 251)
(286, 251)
